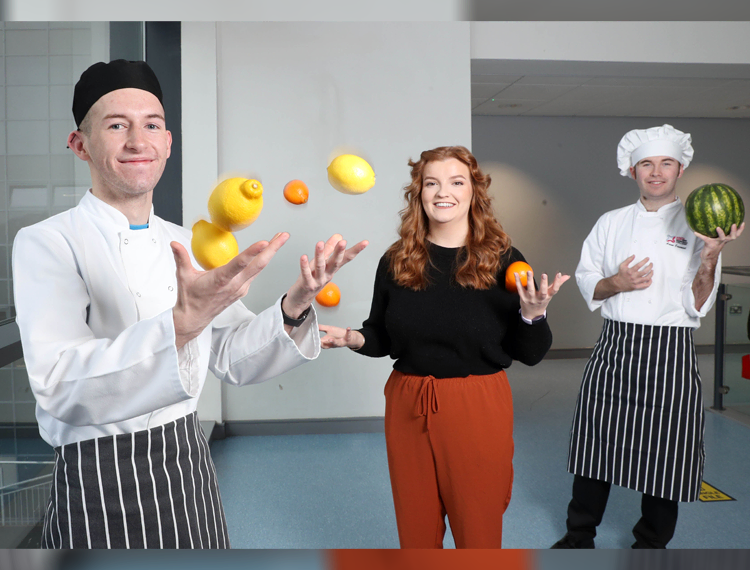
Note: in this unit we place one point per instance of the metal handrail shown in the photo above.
(25, 506)
(720, 334)
(24, 502)
(24, 482)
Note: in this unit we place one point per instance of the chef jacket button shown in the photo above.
(635, 241)
(649, 301)
(125, 241)
(137, 294)
(170, 288)
(153, 240)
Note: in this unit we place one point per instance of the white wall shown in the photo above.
(290, 98)
(200, 151)
(244, 10)
(665, 42)
(552, 177)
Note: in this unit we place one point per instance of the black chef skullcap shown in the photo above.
(102, 78)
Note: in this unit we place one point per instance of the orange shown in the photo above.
(520, 267)
(329, 296)
(296, 192)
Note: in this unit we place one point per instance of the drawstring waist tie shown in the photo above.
(428, 399)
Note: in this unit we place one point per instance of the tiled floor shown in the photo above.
(332, 491)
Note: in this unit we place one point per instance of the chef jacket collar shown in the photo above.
(661, 211)
(110, 213)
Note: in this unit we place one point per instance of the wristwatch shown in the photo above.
(289, 320)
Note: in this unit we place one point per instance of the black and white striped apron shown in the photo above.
(639, 416)
(155, 488)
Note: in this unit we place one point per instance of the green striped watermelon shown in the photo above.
(714, 206)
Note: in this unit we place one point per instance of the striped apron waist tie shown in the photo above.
(428, 399)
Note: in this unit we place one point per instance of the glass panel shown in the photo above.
(19, 434)
(26, 460)
(737, 346)
(39, 65)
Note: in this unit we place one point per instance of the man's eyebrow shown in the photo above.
(121, 116)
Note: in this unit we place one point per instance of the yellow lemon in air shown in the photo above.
(212, 246)
(235, 203)
(351, 174)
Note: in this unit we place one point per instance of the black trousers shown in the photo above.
(654, 529)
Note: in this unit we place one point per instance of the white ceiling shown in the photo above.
(595, 89)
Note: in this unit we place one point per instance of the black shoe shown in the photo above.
(569, 541)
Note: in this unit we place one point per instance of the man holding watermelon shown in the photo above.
(639, 417)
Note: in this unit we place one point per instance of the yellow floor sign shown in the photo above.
(710, 494)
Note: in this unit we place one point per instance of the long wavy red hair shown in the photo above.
(485, 245)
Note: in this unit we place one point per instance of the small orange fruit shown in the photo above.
(296, 192)
(520, 267)
(329, 296)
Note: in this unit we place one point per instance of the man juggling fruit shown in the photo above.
(639, 417)
(119, 328)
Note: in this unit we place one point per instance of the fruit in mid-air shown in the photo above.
(235, 203)
(351, 174)
(296, 192)
(212, 246)
(714, 206)
(329, 296)
(520, 267)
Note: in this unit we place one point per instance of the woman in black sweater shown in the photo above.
(441, 310)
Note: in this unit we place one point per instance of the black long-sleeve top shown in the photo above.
(449, 331)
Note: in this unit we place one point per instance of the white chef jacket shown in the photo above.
(666, 239)
(94, 306)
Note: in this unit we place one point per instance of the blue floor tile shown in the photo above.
(333, 491)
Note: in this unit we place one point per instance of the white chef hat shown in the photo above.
(656, 141)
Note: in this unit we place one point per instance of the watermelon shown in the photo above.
(712, 206)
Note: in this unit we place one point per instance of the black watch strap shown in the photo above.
(294, 322)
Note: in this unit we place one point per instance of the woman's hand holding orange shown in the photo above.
(534, 303)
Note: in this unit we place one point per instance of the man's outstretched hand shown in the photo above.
(329, 258)
(202, 295)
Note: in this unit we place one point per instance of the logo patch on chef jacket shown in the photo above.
(676, 241)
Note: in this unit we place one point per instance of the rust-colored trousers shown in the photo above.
(450, 451)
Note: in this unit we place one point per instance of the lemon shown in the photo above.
(351, 174)
(235, 203)
(212, 246)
